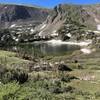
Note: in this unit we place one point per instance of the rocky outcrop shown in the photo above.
(21, 14)
(17, 22)
(70, 18)
(66, 22)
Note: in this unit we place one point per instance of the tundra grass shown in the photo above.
(10, 58)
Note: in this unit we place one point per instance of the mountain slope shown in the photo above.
(19, 13)
(65, 22)
(77, 17)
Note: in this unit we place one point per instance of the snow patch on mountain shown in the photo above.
(87, 50)
(13, 25)
(44, 25)
(97, 20)
(98, 27)
(60, 42)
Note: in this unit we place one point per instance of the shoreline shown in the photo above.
(60, 42)
(55, 42)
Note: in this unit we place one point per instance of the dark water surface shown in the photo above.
(44, 48)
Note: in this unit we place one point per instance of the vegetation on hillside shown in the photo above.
(26, 75)
(74, 28)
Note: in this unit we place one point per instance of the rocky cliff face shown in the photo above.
(66, 22)
(68, 18)
(20, 14)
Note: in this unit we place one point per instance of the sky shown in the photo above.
(49, 3)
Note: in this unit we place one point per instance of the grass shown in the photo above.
(8, 89)
(40, 84)
(87, 86)
(41, 89)
(91, 71)
(91, 84)
(9, 59)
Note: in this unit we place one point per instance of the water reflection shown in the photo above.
(44, 48)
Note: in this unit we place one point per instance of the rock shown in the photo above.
(79, 18)
(63, 67)
(11, 14)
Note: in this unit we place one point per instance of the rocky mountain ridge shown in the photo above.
(87, 15)
(20, 14)
(65, 22)
(74, 22)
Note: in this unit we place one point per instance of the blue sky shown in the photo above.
(50, 3)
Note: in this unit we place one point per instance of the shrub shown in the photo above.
(68, 89)
(67, 78)
(8, 90)
(3, 70)
(63, 67)
(56, 90)
(97, 94)
(14, 75)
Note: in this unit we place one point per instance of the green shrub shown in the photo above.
(97, 94)
(3, 70)
(8, 90)
(69, 89)
(67, 78)
(14, 75)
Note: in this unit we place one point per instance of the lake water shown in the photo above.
(46, 48)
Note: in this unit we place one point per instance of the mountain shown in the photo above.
(66, 22)
(71, 21)
(21, 14)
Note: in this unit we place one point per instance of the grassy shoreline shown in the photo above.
(48, 84)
